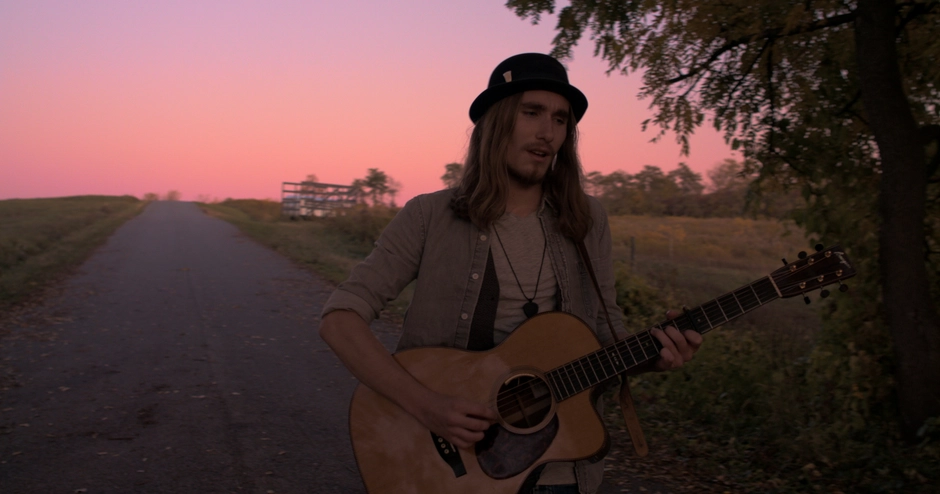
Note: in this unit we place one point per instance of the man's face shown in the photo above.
(540, 130)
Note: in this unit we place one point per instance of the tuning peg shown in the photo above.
(824, 294)
(802, 254)
(820, 247)
(784, 261)
(843, 288)
(806, 299)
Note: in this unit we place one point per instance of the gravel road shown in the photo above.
(182, 357)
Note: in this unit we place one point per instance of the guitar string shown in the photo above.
(800, 280)
(712, 307)
(568, 373)
(512, 392)
(583, 376)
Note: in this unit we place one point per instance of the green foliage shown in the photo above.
(770, 406)
(41, 239)
(642, 305)
(770, 403)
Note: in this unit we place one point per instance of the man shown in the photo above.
(487, 255)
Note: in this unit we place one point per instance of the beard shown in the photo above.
(530, 179)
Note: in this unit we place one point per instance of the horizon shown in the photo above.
(229, 100)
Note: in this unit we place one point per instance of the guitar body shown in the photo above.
(396, 454)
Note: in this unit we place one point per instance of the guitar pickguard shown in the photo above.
(503, 454)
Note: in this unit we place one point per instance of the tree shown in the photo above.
(376, 186)
(452, 175)
(689, 184)
(728, 175)
(839, 96)
(619, 192)
(173, 195)
(660, 191)
(687, 180)
(728, 189)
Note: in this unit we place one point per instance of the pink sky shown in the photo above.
(230, 98)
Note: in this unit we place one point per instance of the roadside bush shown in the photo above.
(642, 305)
(361, 226)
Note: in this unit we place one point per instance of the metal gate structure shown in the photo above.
(305, 199)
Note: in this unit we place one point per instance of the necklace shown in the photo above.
(530, 308)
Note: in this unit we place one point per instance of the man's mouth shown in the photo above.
(540, 152)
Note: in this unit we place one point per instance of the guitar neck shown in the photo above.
(640, 348)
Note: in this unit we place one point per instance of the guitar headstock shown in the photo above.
(811, 272)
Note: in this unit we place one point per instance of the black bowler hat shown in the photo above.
(527, 72)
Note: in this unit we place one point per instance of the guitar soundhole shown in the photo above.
(524, 402)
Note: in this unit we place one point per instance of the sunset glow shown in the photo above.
(229, 99)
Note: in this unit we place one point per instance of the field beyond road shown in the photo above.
(42, 240)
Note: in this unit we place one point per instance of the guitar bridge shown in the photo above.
(449, 454)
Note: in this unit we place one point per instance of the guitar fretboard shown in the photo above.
(637, 349)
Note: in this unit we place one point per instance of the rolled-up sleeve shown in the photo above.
(392, 264)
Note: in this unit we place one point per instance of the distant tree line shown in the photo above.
(731, 192)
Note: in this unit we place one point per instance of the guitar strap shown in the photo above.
(626, 399)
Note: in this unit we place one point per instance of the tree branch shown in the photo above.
(848, 106)
(740, 81)
(767, 34)
(917, 9)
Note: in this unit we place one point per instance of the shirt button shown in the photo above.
(474, 276)
(482, 237)
(464, 316)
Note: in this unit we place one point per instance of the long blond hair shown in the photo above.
(481, 194)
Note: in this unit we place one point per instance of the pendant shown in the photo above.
(530, 308)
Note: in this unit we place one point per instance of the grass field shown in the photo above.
(43, 239)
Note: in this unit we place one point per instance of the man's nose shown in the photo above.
(546, 131)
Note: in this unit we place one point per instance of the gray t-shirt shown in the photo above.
(522, 240)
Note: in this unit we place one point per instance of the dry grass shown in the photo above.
(43, 239)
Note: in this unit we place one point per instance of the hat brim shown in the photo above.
(487, 98)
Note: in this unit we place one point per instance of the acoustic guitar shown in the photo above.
(539, 380)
